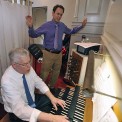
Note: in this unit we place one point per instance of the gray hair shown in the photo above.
(16, 54)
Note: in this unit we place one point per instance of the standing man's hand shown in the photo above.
(84, 22)
(29, 21)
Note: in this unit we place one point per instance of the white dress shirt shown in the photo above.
(13, 93)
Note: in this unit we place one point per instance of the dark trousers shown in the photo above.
(42, 104)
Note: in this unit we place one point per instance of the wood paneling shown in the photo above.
(117, 111)
(88, 110)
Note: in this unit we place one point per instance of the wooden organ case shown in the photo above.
(76, 67)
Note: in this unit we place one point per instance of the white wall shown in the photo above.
(69, 6)
(112, 39)
(112, 36)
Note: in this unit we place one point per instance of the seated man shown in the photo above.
(18, 81)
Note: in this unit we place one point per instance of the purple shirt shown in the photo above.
(48, 30)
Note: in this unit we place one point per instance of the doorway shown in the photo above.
(39, 17)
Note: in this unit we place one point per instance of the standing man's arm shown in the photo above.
(33, 33)
(84, 22)
(29, 21)
(76, 29)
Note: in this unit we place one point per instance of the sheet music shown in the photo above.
(101, 103)
(109, 117)
(86, 44)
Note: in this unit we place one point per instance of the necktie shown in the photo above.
(28, 95)
(56, 37)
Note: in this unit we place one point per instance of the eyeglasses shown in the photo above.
(24, 64)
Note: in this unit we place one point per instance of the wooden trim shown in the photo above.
(117, 111)
(88, 110)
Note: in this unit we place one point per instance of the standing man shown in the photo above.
(17, 87)
(53, 32)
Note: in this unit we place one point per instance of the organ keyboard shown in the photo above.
(75, 104)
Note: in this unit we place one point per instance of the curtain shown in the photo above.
(13, 30)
